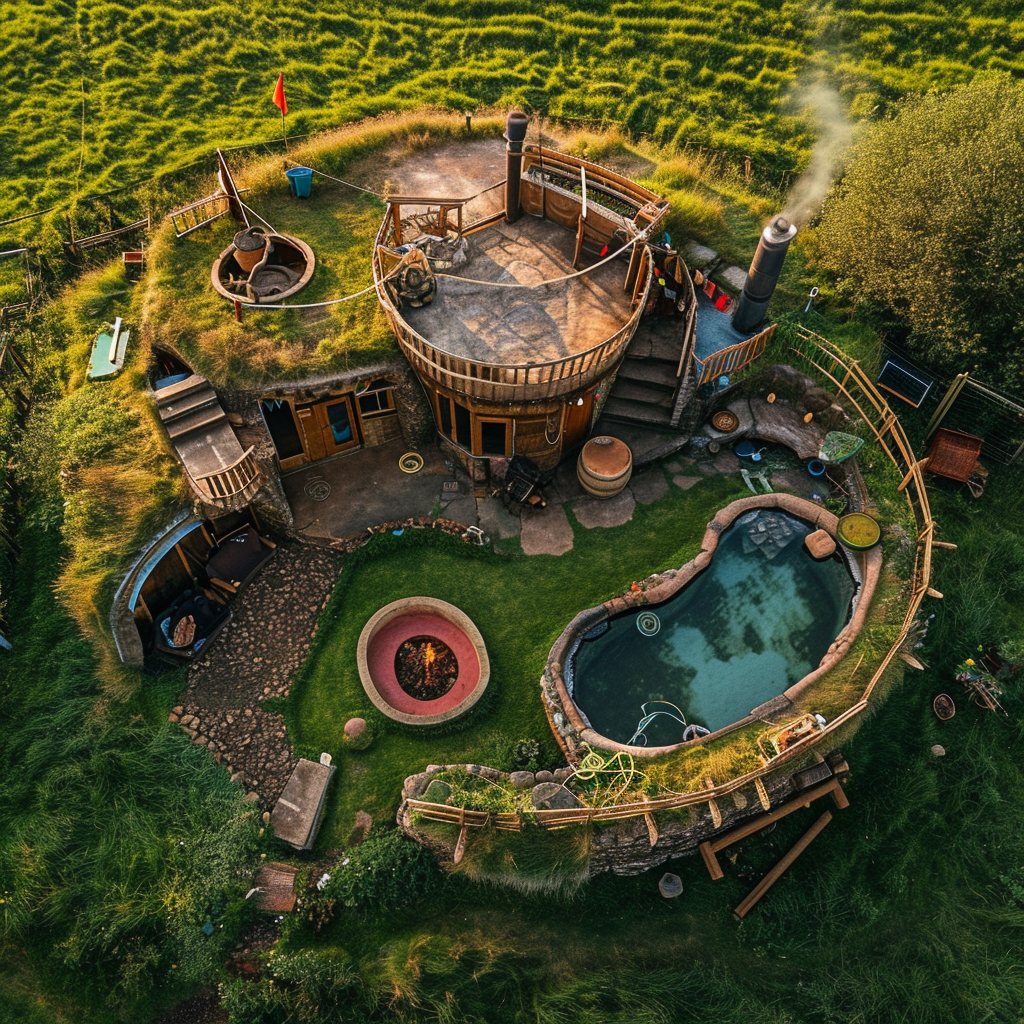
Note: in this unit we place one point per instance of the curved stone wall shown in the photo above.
(571, 728)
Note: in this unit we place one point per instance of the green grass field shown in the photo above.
(118, 838)
(99, 95)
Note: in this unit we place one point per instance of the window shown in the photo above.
(493, 437)
(377, 399)
(454, 421)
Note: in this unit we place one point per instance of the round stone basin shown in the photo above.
(422, 661)
(288, 270)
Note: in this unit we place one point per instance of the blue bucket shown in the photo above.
(300, 181)
(815, 467)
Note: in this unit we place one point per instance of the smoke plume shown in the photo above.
(823, 106)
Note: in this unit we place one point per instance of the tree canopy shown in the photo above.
(928, 223)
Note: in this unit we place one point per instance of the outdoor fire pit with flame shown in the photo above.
(422, 661)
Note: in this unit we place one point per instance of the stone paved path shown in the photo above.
(255, 658)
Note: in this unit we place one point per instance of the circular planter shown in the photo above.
(725, 421)
(413, 619)
(604, 466)
(857, 530)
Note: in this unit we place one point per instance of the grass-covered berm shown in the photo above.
(100, 95)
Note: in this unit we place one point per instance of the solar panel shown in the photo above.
(912, 387)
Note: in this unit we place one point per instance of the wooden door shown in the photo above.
(338, 424)
(576, 426)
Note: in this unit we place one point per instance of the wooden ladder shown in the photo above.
(198, 214)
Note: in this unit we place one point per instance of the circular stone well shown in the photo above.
(397, 670)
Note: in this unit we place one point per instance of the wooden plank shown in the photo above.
(804, 799)
(780, 869)
(711, 861)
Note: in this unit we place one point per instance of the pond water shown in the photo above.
(758, 620)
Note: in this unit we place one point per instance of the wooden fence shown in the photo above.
(846, 375)
(732, 359)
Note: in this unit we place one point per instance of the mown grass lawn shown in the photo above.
(520, 604)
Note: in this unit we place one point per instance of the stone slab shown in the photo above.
(296, 815)
(684, 483)
(782, 422)
(497, 521)
(734, 277)
(698, 255)
(649, 487)
(594, 513)
(546, 531)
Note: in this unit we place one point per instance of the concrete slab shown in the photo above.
(296, 815)
(649, 486)
(498, 522)
(546, 531)
(595, 513)
(367, 488)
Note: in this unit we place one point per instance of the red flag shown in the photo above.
(279, 100)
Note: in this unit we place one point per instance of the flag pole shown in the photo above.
(284, 132)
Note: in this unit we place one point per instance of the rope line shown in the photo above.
(327, 302)
(554, 280)
(257, 216)
(342, 181)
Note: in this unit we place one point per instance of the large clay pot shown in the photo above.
(250, 244)
(604, 466)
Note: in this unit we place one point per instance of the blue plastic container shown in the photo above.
(300, 181)
(815, 467)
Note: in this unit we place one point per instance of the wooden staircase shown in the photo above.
(219, 472)
(645, 389)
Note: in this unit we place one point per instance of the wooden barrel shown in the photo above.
(604, 466)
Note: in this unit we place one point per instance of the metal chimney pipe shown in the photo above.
(515, 133)
(763, 275)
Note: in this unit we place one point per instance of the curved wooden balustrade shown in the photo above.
(232, 487)
(820, 356)
(500, 382)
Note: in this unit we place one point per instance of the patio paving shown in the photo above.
(345, 496)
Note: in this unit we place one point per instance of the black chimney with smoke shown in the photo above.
(515, 133)
(763, 275)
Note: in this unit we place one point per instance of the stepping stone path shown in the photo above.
(254, 659)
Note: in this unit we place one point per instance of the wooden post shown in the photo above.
(780, 869)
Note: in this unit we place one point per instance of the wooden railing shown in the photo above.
(234, 486)
(500, 382)
(820, 356)
(732, 359)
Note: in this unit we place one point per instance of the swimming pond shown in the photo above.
(759, 619)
